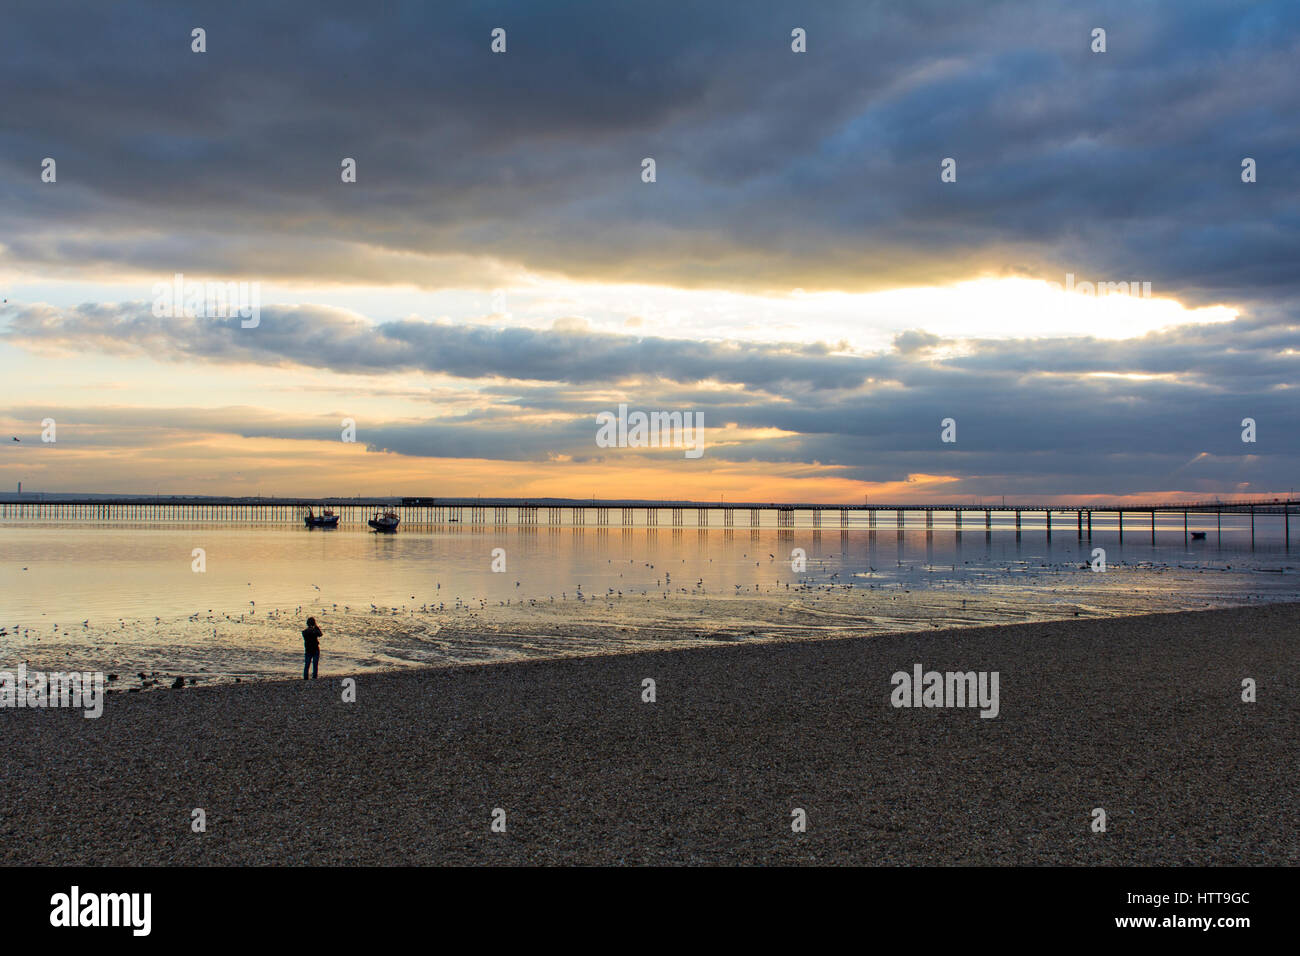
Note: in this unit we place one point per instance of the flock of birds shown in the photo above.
(820, 580)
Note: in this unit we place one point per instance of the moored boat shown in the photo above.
(326, 519)
(384, 521)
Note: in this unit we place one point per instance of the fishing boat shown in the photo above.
(1198, 535)
(384, 521)
(326, 519)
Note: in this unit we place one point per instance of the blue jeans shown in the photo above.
(311, 660)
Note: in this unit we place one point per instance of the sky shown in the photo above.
(800, 275)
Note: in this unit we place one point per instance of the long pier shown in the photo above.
(642, 513)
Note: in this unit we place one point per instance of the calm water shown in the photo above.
(126, 597)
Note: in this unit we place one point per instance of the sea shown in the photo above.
(149, 601)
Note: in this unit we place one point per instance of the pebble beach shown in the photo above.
(1141, 716)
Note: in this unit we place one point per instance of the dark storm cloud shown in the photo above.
(775, 169)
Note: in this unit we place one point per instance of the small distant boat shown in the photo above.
(1198, 535)
(326, 519)
(384, 521)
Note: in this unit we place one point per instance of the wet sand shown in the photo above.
(1141, 716)
(208, 648)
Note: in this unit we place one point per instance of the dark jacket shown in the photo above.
(310, 639)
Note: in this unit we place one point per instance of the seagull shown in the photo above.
(16, 438)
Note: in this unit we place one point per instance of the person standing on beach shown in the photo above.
(311, 635)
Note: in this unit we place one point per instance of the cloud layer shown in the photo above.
(1069, 417)
(775, 169)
